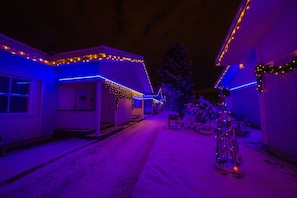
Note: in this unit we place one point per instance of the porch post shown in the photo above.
(142, 104)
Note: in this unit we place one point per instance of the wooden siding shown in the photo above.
(124, 112)
(40, 120)
(280, 93)
(76, 119)
(279, 45)
(108, 105)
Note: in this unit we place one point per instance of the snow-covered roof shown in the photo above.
(261, 32)
(95, 53)
(157, 96)
(15, 47)
(124, 68)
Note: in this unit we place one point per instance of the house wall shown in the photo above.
(158, 107)
(78, 70)
(126, 73)
(124, 112)
(138, 112)
(148, 106)
(279, 98)
(39, 121)
(283, 35)
(247, 107)
(76, 119)
(245, 102)
(82, 113)
(107, 105)
(138, 109)
(77, 96)
(73, 110)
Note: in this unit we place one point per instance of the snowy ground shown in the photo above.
(149, 160)
(182, 165)
(108, 168)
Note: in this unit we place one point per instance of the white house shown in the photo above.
(259, 54)
(154, 103)
(81, 90)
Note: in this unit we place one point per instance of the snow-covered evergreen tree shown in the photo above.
(175, 76)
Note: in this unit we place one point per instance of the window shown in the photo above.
(14, 95)
(137, 103)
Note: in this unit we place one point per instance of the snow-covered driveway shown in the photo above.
(149, 160)
(108, 168)
(182, 165)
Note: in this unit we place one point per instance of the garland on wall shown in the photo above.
(282, 69)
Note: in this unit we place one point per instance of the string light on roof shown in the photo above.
(23, 54)
(83, 58)
(222, 76)
(233, 32)
(5, 47)
(77, 59)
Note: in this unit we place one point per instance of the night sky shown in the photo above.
(141, 27)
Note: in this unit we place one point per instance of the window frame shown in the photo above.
(12, 96)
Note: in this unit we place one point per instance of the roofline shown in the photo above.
(76, 56)
(220, 78)
(18, 48)
(243, 7)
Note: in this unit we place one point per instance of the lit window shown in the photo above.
(14, 95)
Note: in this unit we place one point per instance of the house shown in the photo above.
(154, 103)
(80, 90)
(259, 58)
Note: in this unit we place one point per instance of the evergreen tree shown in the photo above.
(175, 76)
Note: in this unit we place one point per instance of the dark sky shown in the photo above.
(143, 27)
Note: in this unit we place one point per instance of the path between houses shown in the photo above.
(170, 163)
(115, 161)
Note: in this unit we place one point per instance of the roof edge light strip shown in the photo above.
(70, 60)
(98, 76)
(231, 34)
(80, 78)
(221, 76)
(142, 98)
(154, 99)
(242, 86)
(77, 59)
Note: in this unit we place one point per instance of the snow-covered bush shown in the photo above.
(203, 110)
(203, 114)
(241, 127)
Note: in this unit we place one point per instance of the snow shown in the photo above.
(108, 168)
(25, 159)
(150, 160)
(182, 164)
